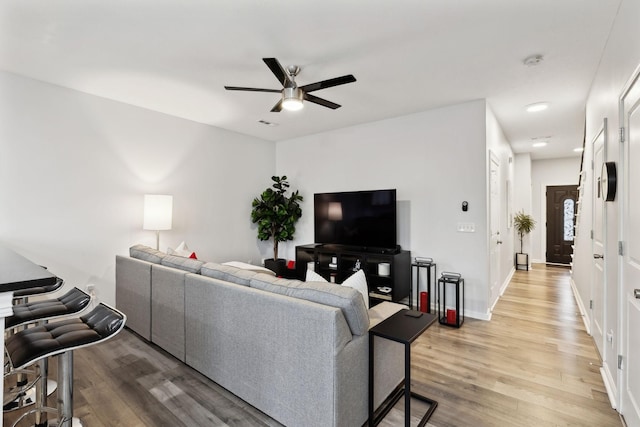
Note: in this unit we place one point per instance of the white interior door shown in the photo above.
(495, 240)
(630, 292)
(598, 296)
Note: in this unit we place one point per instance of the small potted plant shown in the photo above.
(523, 224)
(276, 215)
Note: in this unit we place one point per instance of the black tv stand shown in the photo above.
(365, 249)
(348, 258)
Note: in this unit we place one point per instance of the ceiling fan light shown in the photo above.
(292, 99)
(292, 104)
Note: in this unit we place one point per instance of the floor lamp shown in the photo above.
(158, 212)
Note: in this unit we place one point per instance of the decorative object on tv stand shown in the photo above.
(334, 263)
(158, 214)
(523, 224)
(384, 269)
(450, 314)
(276, 215)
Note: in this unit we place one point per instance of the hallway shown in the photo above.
(533, 364)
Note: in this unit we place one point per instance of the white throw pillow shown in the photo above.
(358, 281)
(312, 276)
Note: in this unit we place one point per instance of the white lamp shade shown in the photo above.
(158, 212)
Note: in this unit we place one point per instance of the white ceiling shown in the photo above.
(407, 56)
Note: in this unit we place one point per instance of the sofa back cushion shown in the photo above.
(146, 253)
(348, 300)
(182, 263)
(229, 273)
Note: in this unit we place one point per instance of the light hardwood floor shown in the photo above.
(532, 365)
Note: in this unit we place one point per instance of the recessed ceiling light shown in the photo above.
(538, 106)
(539, 144)
(578, 150)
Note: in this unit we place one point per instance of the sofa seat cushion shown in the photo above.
(146, 253)
(251, 267)
(348, 300)
(182, 263)
(229, 273)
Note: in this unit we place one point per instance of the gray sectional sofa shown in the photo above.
(298, 351)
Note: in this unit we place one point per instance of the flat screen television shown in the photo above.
(363, 219)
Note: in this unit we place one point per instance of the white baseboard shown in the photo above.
(610, 385)
(478, 315)
(506, 282)
(585, 315)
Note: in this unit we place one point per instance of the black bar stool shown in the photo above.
(39, 312)
(60, 338)
(22, 296)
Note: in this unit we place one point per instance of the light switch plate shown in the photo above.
(466, 227)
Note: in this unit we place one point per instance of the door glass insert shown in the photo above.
(569, 211)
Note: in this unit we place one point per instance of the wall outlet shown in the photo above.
(466, 227)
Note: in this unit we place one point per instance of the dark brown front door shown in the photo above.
(561, 209)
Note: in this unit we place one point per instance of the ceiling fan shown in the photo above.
(292, 94)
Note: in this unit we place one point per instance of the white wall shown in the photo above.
(522, 197)
(435, 159)
(544, 173)
(620, 58)
(74, 169)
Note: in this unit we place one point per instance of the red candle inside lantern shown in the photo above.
(424, 301)
(451, 317)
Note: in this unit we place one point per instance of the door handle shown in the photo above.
(636, 293)
(499, 242)
(598, 256)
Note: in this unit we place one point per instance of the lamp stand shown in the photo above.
(157, 240)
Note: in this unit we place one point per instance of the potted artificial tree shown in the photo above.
(276, 215)
(523, 224)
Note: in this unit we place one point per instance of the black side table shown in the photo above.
(405, 328)
(429, 266)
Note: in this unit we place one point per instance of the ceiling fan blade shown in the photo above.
(278, 71)
(320, 101)
(252, 89)
(328, 83)
(277, 108)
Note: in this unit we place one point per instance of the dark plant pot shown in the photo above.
(278, 266)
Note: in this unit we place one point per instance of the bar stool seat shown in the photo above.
(21, 294)
(61, 338)
(72, 302)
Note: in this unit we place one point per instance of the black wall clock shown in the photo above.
(608, 179)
